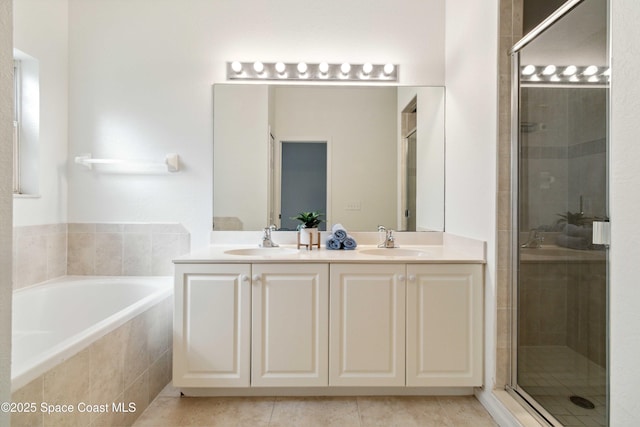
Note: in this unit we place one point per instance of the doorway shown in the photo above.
(302, 187)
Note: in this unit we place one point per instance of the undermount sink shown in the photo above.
(394, 252)
(261, 251)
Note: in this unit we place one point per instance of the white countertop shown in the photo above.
(434, 248)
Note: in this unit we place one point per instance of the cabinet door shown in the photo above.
(444, 325)
(367, 325)
(211, 325)
(290, 325)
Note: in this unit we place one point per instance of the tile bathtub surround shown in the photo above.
(39, 253)
(125, 249)
(131, 364)
(169, 409)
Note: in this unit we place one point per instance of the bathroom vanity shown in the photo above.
(252, 320)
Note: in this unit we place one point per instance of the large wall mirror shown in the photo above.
(363, 156)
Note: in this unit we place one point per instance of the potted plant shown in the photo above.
(308, 226)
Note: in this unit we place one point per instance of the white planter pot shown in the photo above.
(308, 236)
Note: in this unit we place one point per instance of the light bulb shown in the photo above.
(594, 79)
(323, 67)
(549, 69)
(590, 70)
(528, 70)
(236, 67)
(367, 68)
(302, 67)
(280, 67)
(607, 72)
(345, 68)
(388, 68)
(570, 70)
(574, 79)
(258, 67)
(555, 78)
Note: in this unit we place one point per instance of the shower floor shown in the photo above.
(552, 374)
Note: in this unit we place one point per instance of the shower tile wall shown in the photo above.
(510, 32)
(44, 252)
(565, 306)
(558, 157)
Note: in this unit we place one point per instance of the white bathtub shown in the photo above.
(55, 320)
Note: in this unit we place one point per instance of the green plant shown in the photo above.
(308, 219)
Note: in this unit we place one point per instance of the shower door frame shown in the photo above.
(529, 403)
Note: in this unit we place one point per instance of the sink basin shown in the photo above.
(394, 252)
(261, 251)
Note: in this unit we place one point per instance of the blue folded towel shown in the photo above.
(339, 232)
(349, 243)
(333, 243)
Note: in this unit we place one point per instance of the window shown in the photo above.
(17, 108)
(26, 124)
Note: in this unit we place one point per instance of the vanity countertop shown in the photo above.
(445, 249)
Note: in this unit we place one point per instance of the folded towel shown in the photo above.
(333, 243)
(349, 243)
(572, 242)
(339, 232)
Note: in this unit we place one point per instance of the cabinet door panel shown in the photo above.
(444, 325)
(367, 313)
(211, 330)
(290, 325)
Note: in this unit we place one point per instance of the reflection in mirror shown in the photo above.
(377, 152)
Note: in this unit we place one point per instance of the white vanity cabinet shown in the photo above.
(444, 325)
(367, 325)
(332, 324)
(290, 310)
(211, 328)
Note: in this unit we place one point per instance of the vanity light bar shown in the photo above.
(306, 71)
(565, 74)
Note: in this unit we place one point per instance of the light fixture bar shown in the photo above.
(563, 74)
(310, 71)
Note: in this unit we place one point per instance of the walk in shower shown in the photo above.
(560, 182)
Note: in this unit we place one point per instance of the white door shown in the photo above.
(367, 325)
(444, 325)
(290, 325)
(211, 325)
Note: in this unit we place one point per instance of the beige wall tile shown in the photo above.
(138, 394)
(159, 374)
(81, 253)
(109, 250)
(137, 254)
(31, 392)
(68, 383)
(136, 354)
(81, 228)
(164, 248)
(107, 366)
(31, 260)
(56, 255)
(157, 337)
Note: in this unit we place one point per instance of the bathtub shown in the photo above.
(55, 320)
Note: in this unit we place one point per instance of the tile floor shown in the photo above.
(551, 374)
(169, 410)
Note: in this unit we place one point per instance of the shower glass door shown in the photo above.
(561, 286)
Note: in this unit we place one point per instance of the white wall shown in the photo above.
(40, 30)
(240, 160)
(471, 135)
(624, 307)
(6, 186)
(142, 70)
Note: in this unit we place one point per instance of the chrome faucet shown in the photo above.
(389, 239)
(266, 238)
(534, 241)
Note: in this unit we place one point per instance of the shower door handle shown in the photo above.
(601, 233)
